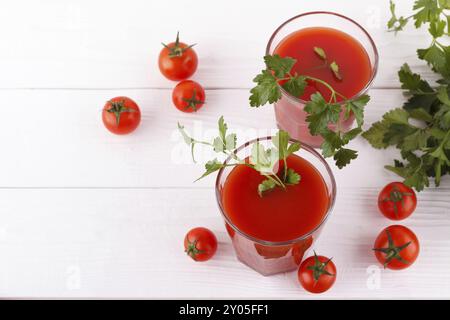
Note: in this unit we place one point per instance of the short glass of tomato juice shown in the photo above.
(343, 41)
(272, 233)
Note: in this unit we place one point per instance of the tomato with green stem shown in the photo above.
(317, 274)
(177, 60)
(200, 244)
(396, 247)
(397, 201)
(121, 115)
(188, 96)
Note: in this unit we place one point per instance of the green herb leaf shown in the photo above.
(321, 53)
(320, 114)
(357, 108)
(223, 127)
(344, 156)
(375, 135)
(412, 81)
(428, 11)
(394, 23)
(437, 28)
(265, 186)
(266, 90)
(280, 66)
(434, 56)
(335, 69)
(295, 85)
(292, 177)
(265, 161)
(210, 167)
(425, 146)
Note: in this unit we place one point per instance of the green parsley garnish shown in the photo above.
(424, 143)
(321, 113)
(263, 160)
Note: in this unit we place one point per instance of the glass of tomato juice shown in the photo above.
(343, 41)
(272, 232)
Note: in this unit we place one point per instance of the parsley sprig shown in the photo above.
(321, 113)
(265, 161)
(421, 128)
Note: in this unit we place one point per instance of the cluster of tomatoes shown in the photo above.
(396, 247)
(177, 62)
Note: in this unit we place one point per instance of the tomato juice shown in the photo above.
(345, 43)
(279, 215)
(272, 232)
(353, 61)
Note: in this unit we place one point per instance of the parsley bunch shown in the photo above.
(265, 161)
(321, 113)
(421, 128)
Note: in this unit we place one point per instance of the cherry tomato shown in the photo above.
(200, 244)
(397, 201)
(121, 115)
(317, 274)
(396, 247)
(188, 96)
(177, 60)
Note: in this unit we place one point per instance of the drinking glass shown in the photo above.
(289, 112)
(268, 257)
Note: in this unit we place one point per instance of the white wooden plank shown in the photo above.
(57, 139)
(128, 243)
(109, 44)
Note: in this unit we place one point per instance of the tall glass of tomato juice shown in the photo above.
(345, 42)
(272, 233)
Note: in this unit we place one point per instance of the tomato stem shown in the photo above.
(392, 251)
(193, 101)
(192, 250)
(176, 50)
(319, 268)
(117, 108)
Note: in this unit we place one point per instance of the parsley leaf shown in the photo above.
(321, 53)
(320, 113)
(265, 186)
(357, 108)
(335, 69)
(264, 160)
(280, 66)
(395, 24)
(210, 167)
(292, 177)
(344, 156)
(266, 91)
(295, 85)
(425, 148)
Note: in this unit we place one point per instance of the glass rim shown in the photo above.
(372, 43)
(304, 146)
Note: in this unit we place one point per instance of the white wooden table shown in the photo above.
(84, 213)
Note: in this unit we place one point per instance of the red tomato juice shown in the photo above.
(280, 215)
(351, 57)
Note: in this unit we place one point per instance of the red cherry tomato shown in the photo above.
(200, 244)
(317, 274)
(188, 96)
(177, 61)
(397, 201)
(396, 247)
(121, 115)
